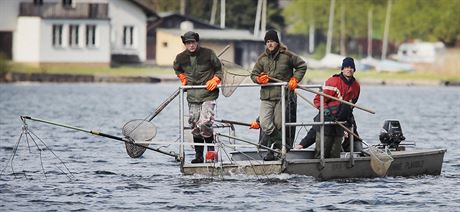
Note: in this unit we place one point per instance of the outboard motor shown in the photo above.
(391, 133)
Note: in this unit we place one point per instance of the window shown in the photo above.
(57, 35)
(128, 36)
(73, 35)
(38, 2)
(90, 35)
(67, 3)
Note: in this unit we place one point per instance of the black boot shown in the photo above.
(198, 151)
(274, 141)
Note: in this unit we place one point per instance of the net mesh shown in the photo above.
(234, 75)
(138, 130)
(380, 160)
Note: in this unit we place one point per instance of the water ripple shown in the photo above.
(107, 179)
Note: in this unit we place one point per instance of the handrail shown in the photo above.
(320, 123)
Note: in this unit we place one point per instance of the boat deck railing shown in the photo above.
(283, 85)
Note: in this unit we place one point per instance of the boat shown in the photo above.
(301, 162)
(406, 160)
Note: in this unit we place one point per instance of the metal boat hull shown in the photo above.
(406, 163)
(235, 168)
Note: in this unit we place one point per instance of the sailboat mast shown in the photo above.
(222, 13)
(369, 33)
(386, 32)
(329, 30)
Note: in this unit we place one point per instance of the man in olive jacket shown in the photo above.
(197, 65)
(275, 63)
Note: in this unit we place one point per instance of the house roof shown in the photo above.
(167, 15)
(212, 34)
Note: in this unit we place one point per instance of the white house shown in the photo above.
(93, 32)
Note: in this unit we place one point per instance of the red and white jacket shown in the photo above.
(338, 86)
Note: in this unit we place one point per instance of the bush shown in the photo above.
(4, 64)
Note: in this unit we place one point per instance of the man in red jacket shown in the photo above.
(342, 86)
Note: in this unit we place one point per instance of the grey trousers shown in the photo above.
(270, 116)
(201, 118)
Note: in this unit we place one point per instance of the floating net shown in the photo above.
(234, 75)
(380, 160)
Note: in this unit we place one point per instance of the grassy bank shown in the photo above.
(392, 76)
(88, 70)
(317, 75)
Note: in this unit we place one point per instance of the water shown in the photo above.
(105, 178)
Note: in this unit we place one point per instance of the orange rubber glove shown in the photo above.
(183, 78)
(212, 83)
(262, 79)
(293, 83)
(254, 125)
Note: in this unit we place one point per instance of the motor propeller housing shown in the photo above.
(391, 133)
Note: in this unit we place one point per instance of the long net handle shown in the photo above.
(233, 122)
(23, 118)
(164, 104)
(331, 97)
(223, 50)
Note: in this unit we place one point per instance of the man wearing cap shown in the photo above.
(280, 64)
(197, 65)
(345, 87)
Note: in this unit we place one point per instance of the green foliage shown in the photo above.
(239, 14)
(320, 51)
(4, 64)
(410, 19)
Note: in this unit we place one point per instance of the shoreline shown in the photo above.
(13, 77)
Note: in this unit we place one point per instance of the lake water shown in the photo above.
(105, 178)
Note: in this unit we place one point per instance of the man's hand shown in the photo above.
(298, 146)
(293, 83)
(183, 78)
(212, 83)
(254, 125)
(262, 78)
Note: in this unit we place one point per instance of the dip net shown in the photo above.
(141, 131)
(380, 160)
(234, 75)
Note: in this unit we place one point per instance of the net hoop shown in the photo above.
(380, 161)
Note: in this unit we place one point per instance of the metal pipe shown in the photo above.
(181, 123)
(352, 146)
(311, 123)
(241, 85)
(243, 140)
(321, 119)
(283, 121)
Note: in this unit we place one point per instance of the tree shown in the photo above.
(423, 19)
(240, 14)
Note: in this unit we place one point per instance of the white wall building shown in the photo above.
(93, 32)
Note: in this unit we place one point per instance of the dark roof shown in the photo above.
(213, 34)
(199, 23)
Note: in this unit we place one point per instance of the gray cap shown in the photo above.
(190, 36)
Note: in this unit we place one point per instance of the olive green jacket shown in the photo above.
(281, 65)
(199, 67)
